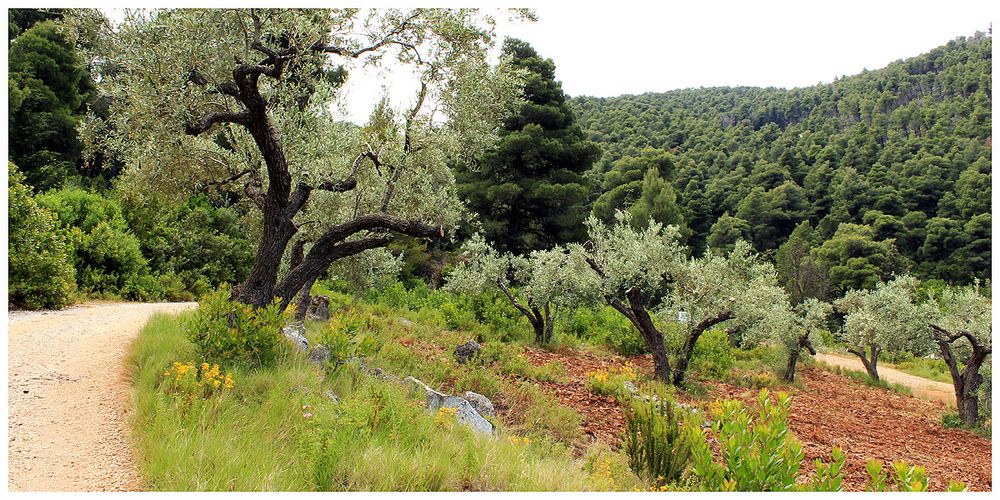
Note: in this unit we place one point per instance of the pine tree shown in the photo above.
(530, 192)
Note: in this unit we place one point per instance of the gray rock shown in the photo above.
(481, 403)
(405, 322)
(467, 351)
(465, 412)
(332, 395)
(319, 355)
(296, 332)
(319, 308)
(630, 387)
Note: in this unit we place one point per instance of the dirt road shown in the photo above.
(921, 387)
(68, 396)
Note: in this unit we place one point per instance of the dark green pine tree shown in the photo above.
(530, 193)
(48, 88)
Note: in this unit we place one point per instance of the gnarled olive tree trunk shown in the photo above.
(541, 319)
(793, 356)
(869, 358)
(967, 380)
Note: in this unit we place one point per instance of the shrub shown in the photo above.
(606, 327)
(40, 270)
(758, 452)
(713, 356)
(904, 477)
(346, 337)
(106, 255)
(230, 332)
(657, 442)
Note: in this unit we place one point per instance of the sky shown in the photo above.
(626, 47)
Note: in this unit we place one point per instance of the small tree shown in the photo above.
(537, 285)
(808, 320)
(646, 270)
(961, 326)
(882, 319)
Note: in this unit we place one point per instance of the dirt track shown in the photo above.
(68, 396)
(921, 387)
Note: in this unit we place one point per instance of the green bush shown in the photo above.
(346, 337)
(106, 255)
(657, 440)
(713, 356)
(607, 327)
(40, 270)
(226, 331)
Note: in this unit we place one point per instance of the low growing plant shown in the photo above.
(226, 331)
(658, 441)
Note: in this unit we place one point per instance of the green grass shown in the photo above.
(933, 369)
(256, 436)
(864, 378)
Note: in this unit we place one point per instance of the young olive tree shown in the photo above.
(961, 325)
(537, 285)
(804, 326)
(880, 320)
(644, 270)
(242, 99)
(740, 289)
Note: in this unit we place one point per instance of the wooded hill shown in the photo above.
(890, 168)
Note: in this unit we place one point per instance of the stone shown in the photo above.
(631, 388)
(319, 308)
(481, 403)
(296, 332)
(405, 322)
(467, 351)
(319, 355)
(332, 395)
(464, 411)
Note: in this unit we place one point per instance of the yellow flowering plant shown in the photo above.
(195, 380)
(610, 382)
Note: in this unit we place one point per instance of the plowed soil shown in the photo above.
(830, 410)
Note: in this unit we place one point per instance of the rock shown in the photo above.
(332, 395)
(405, 322)
(481, 403)
(319, 355)
(630, 387)
(319, 308)
(296, 332)
(464, 411)
(467, 351)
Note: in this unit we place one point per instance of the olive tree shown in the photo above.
(882, 320)
(646, 272)
(961, 325)
(242, 99)
(804, 325)
(537, 285)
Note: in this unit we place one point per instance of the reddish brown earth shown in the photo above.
(829, 410)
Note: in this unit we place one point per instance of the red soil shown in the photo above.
(831, 410)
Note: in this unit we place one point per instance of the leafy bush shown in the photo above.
(226, 331)
(903, 477)
(758, 452)
(606, 327)
(713, 356)
(657, 442)
(106, 255)
(346, 337)
(40, 271)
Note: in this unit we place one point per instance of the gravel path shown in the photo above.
(68, 396)
(921, 387)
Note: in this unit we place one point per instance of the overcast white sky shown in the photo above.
(629, 47)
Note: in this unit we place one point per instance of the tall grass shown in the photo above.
(276, 430)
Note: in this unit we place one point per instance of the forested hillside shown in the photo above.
(890, 168)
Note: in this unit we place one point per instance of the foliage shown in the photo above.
(603, 325)
(904, 477)
(658, 439)
(911, 141)
(49, 87)
(529, 192)
(345, 335)
(186, 380)
(106, 255)
(41, 274)
(713, 355)
(758, 453)
(852, 259)
(229, 332)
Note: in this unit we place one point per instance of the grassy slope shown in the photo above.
(256, 437)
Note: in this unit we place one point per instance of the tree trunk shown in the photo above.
(685, 358)
(302, 306)
(259, 286)
(870, 362)
(654, 339)
(793, 356)
(967, 380)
